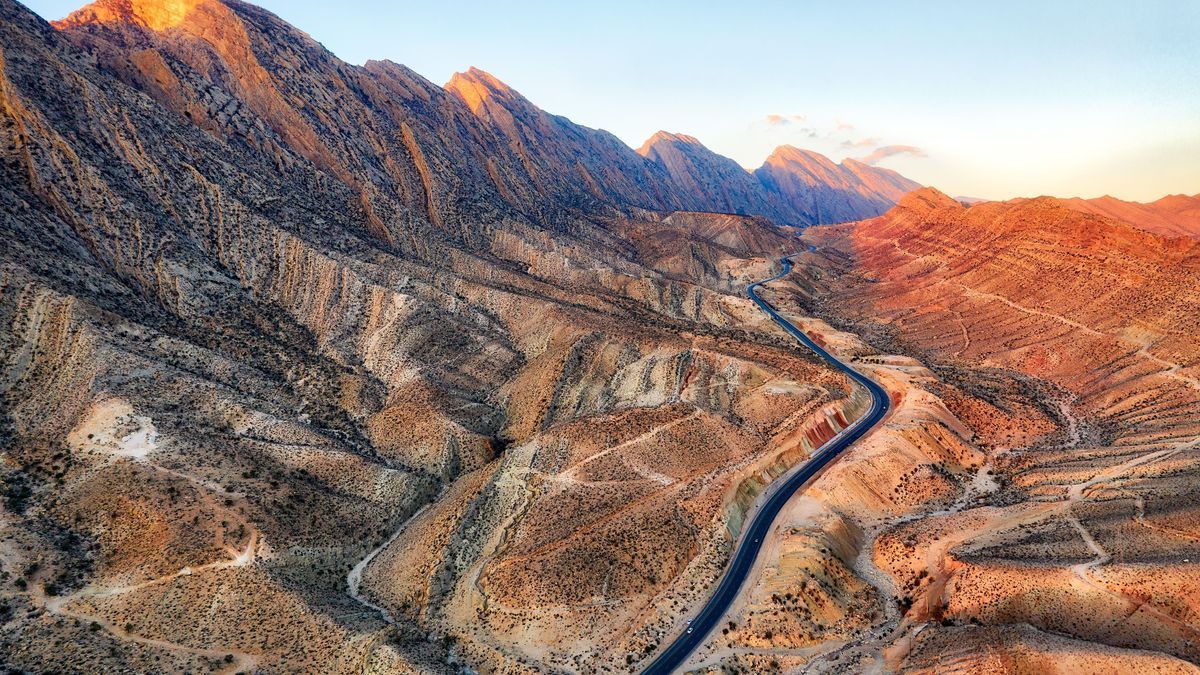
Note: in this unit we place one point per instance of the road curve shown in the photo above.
(751, 542)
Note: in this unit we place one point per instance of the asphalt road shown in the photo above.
(673, 656)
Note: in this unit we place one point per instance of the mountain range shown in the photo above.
(793, 186)
(415, 150)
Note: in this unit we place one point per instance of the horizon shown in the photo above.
(1111, 109)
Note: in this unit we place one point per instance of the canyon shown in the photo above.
(316, 367)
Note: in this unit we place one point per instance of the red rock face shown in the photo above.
(153, 14)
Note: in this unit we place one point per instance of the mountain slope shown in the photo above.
(416, 154)
(1097, 321)
(310, 367)
(1171, 216)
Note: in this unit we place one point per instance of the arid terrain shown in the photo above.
(392, 380)
(1050, 400)
(316, 367)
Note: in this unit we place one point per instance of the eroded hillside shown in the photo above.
(354, 384)
(1058, 365)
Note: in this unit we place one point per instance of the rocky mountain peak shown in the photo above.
(194, 56)
(157, 15)
(785, 154)
(666, 137)
(928, 199)
(794, 186)
(476, 86)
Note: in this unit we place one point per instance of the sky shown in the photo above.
(995, 100)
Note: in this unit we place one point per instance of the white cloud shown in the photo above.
(861, 143)
(777, 120)
(890, 150)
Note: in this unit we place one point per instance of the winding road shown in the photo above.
(702, 624)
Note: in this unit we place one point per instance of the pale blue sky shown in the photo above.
(1011, 99)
